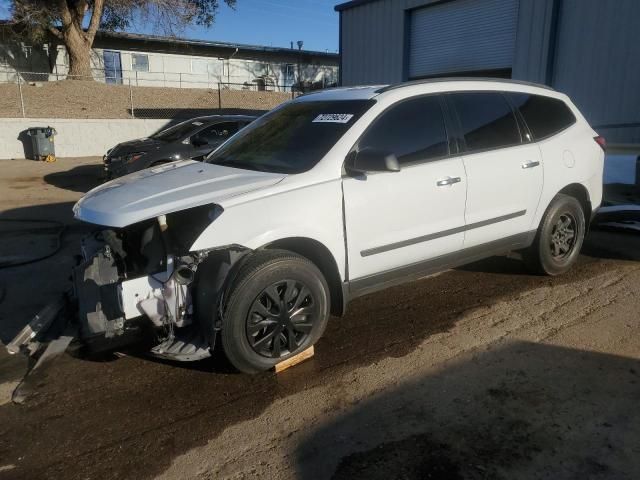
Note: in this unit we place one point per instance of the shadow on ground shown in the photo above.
(25, 289)
(155, 411)
(521, 411)
(78, 179)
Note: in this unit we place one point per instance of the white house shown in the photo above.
(143, 60)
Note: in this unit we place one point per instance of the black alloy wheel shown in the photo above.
(563, 236)
(556, 246)
(276, 306)
(281, 318)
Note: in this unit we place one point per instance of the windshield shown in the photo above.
(177, 132)
(291, 139)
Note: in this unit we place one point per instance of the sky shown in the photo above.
(265, 22)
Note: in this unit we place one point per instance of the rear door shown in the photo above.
(504, 168)
(396, 219)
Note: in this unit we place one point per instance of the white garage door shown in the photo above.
(462, 36)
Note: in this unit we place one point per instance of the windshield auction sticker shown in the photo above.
(333, 118)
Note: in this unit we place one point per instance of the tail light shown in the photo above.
(600, 140)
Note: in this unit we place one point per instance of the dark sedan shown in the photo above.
(194, 139)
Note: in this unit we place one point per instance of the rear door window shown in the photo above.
(543, 115)
(219, 131)
(486, 119)
(413, 130)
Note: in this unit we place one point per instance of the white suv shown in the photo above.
(328, 197)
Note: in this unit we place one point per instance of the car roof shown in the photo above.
(221, 118)
(365, 92)
(431, 85)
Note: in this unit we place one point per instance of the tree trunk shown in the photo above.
(79, 50)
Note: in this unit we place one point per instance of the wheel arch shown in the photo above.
(580, 193)
(322, 258)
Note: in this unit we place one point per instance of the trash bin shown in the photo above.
(42, 144)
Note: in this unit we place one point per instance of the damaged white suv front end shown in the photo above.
(138, 268)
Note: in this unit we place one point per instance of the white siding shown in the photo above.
(169, 70)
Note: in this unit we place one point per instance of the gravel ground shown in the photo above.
(86, 99)
(484, 372)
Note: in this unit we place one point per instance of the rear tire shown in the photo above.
(559, 239)
(277, 307)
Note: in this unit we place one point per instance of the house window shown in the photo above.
(289, 74)
(140, 62)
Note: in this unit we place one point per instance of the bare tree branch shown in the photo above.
(65, 13)
(96, 15)
(55, 32)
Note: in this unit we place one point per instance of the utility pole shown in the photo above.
(300, 44)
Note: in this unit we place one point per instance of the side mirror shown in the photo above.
(199, 141)
(370, 160)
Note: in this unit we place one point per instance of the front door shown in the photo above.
(504, 171)
(396, 219)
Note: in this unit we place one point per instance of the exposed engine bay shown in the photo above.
(139, 283)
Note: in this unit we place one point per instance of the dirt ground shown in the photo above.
(484, 372)
(90, 99)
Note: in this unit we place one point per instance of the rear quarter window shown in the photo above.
(486, 119)
(543, 115)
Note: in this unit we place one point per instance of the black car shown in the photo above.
(193, 139)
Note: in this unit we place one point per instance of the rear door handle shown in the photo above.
(530, 164)
(448, 181)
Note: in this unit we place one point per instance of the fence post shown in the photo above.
(131, 99)
(20, 90)
(180, 79)
(219, 96)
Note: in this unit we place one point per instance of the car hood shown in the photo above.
(165, 189)
(138, 145)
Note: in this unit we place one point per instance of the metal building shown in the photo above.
(589, 49)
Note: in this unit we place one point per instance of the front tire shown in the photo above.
(559, 238)
(277, 306)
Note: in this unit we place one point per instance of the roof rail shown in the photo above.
(461, 79)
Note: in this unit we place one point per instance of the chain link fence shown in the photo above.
(47, 95)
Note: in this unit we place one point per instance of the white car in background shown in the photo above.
(331, 196)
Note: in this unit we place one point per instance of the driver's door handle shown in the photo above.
(530, 164)
(448, 181)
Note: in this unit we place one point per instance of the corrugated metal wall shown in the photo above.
(597, 62)
(595, 57)
(372, 43)
(374, 36)
(462, 36)
(535, 23)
